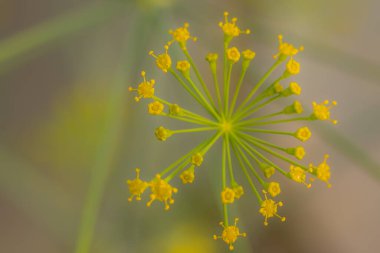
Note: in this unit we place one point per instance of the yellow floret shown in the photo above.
(163, 61)
(230, 29)
(303, 134)
(187, 176)
(136, 186)
(230, 234)
(181, 35)
(197, 159)
(285, 49)
(269, 209)
(298, 175)
(322, 171)
(293, 67)
(228, 196)
(239, 191)
(145, 89)
(274, 189)
(322, 111)
(162, 191)
(233, 54)
(162, 133)
(155, 108)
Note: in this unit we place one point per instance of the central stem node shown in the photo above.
(226, 126)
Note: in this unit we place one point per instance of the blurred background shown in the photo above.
(71, 132)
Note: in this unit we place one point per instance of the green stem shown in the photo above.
(257, 144)
(238, 153)
(194, 67)
(232, 178)
(193, 130)
(250, 149)
(257, 176)
(224, 182)
(258, 85)
(255, 123)
(237, 90)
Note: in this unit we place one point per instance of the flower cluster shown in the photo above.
(236, 125)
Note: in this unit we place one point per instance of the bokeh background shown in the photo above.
(71, 133)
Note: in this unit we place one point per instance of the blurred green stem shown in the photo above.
(349, 149)
(54, 29)
(106, 155)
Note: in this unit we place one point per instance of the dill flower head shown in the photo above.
(237, 125)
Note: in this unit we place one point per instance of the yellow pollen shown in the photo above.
(145, 89)
(163, 61)
(274, 189)
(181, 35)
(269, 209)
(162, 133)
(322, 111)
(298, 175)
(136, 186)
(228, 196)
(233, 54)
(197, 159)
(230, 29)
(322, 171)
(303, 134)
(161, 191)
(293, 67)
(248, 55)
(230, 234)
(239, 191)
(285, 49)
(155, 108)
(187, 176)
(295, 88)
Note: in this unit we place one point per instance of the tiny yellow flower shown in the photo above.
(145, 89)
(155, 108)
(161, 191)
(293, 67)
(248, 55)
(299, 152)
(303, 134)
(211, 57)
(162, 133)
(233, 54)
(296, 107)
(269, 209)
(175, 109)
(322, 111)
(278, 88)
(181, 35)
(228, 196)
(322, 171)
(239, 191)
(187, 176)
(286, 49)
(267, 169)
(163, 61)
(298, 175)
(230, 29)
(274, 189)
(136, 186)
(183, 67)
(197, 159)
(295, 88)
(230, 234)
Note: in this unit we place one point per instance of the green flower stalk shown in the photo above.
(233, 124)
